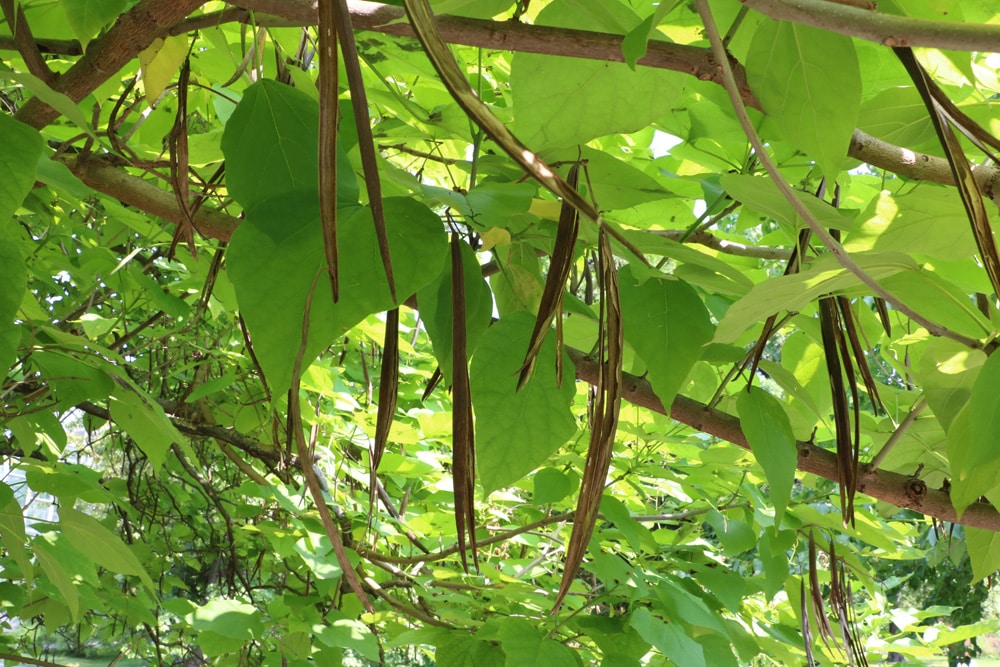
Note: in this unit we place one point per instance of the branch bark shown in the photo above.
(132, 32)
(886, 29)
(900, 490)
(125, 40)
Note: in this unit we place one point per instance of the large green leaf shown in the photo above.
(516, 431)
(524, 644)
(667, 325)
(809, 81)
(462, 650)
(792, 292)
(22, 148)
(926, 221)
(12, 531)
(984, 552)
(769, 432)
(762, 195)
(340, 631)
(87, 17)
(48, 559)
(975, 459)
(146, 422)
(14, 278)
(668, 638)
(100, 545)
(947, 371)
(434, 302)
(277, 253)
(270, 146)
(561, 102)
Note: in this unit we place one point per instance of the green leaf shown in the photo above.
(668, 638)
(72, 380)
(667, 325)
(793, 292)
(769, 432)
(12, 531)
(146, 423)
(551, 486)
(434, 302)
(636, 41)
(340, 631)
(926, 221)
(898, 116)
(524, 645)
(561, 102)
(947, 371)
(100, 545)
(22, 148)
(975, 460)
(47, 558)
(762, 195)
(88, 17)
(278, 126)
(277, 253)
(461, 650)
(231, 619)
(516, 431)
(984, 552)
(14, 278)
(58, 101)
(809, 82)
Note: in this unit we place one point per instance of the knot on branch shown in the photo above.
(916, 491)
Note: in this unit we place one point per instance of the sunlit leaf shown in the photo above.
(809, 81)
(770, 436)
(101, 545)
(516, 431)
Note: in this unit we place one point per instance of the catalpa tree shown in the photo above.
(494, 332)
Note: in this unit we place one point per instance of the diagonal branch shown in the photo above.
(900, 490)
(24, 41)
(886, 29)
(132, 32)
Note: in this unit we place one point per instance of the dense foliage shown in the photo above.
(607, 332)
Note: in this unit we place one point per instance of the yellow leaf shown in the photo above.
(159, 63)
(494, 236)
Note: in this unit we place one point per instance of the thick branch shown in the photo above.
(900, 490)
(722, 245)
(886, 29)
(696, 61)
(24, 41)
(132, 32)
(101, 175)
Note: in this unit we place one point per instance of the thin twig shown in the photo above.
(911, 417)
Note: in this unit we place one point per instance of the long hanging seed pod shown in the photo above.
(605, 406)
(463, 447)
(388, 392)
(329, 116)
(550, 307)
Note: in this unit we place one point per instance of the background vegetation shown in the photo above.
(569, 332)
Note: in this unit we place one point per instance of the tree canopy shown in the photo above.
(499, 332)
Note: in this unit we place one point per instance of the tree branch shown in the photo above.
(886, 29)
(132, 32)
(899, 490)
(24, 41)
(696, 61)
(722, 245)
(101, 174)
